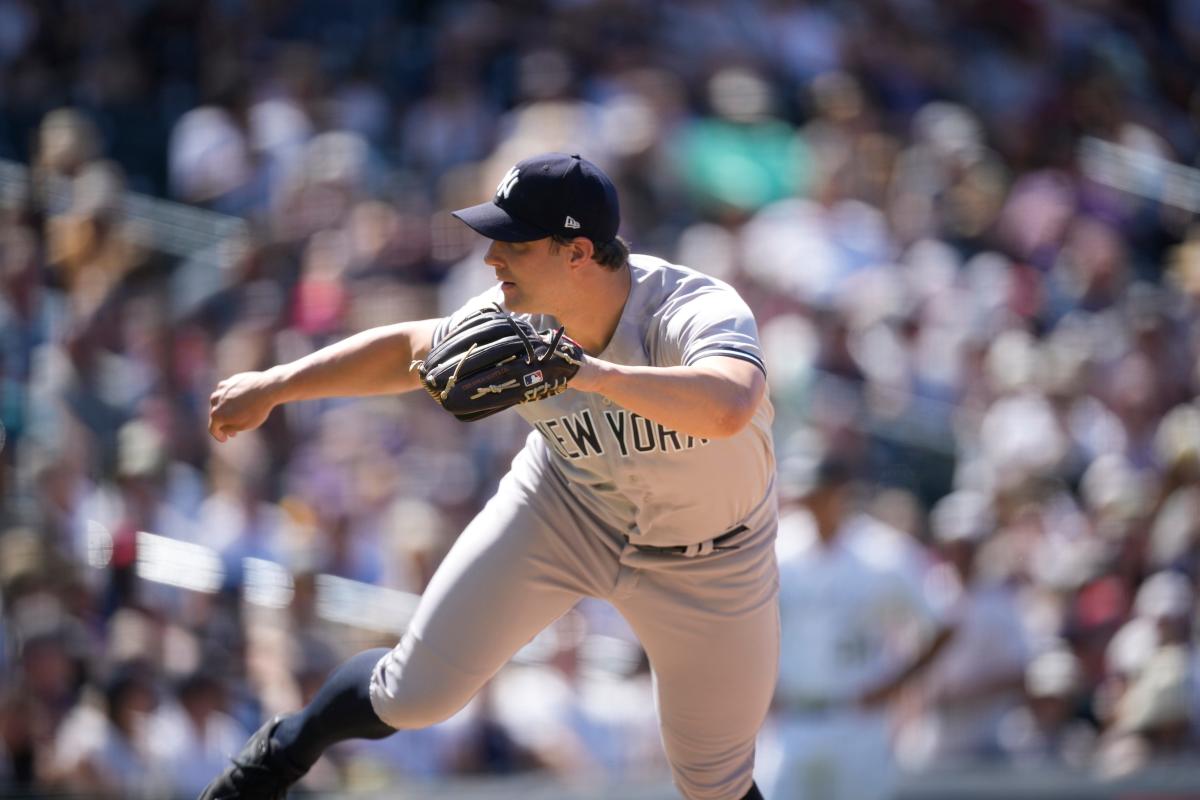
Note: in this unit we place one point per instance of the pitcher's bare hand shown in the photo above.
(241, 402)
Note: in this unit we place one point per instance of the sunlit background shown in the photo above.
(967, 230)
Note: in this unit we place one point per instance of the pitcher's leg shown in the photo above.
(519, 565)
(711, 706)
(340, 709)
(710, 627)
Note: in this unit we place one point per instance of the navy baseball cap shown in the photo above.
(549, 195)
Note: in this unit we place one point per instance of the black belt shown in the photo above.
(693, 550)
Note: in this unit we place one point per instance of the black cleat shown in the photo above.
(259, 772)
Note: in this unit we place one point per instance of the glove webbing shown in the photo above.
(553, 351)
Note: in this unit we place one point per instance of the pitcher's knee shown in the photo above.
(412, 688)
(712, 773)
(414, 710)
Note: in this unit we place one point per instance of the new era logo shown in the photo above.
(533, 377)
(572, 223)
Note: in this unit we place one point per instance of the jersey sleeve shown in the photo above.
(708, 320)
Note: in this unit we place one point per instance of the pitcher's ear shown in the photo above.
(582, 250)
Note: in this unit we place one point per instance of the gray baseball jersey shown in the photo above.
(593, 481)
(659, 486)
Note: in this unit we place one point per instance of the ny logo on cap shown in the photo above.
(507, 183)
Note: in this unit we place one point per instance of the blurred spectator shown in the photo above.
(1164, 611)
(103, 749)
(1167, 599)
(40, 692)
(91, 247)
(189, 741)
(1153, 723)
(1049, 727)
(210, 161)
(977, 678)
(67, 141)
(741, 157)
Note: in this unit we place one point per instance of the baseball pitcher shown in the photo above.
(648, 480)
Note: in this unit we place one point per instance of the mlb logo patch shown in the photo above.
(533, 378)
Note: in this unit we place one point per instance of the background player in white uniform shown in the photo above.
(649, 483)
(857, 628)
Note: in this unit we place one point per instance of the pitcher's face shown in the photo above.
(533, 275)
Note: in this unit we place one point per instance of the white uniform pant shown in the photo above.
(710, 625)
(836, 755)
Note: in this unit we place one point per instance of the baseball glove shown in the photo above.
(492, 360)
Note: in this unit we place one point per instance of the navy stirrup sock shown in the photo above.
(341, 709)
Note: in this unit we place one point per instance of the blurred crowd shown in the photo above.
(1001, 349)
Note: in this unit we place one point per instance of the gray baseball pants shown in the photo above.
(710, 625)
